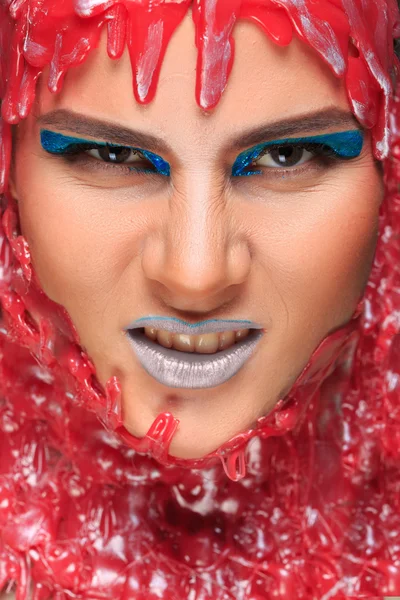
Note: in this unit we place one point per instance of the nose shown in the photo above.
(199, 250)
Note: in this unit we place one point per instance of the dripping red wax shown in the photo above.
(284, 541)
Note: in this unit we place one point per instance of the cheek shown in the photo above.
(327, 260)
(72, 242)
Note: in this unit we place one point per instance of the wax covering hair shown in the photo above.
(89, 511)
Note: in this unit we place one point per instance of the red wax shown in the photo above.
(305, 505)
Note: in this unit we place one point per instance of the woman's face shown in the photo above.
(195, 236)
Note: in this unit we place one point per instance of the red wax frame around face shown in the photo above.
(329, 305)
(317, 515)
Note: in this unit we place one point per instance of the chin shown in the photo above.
(186, 446)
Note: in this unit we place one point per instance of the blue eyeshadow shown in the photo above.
(57, 143)
(345, 144)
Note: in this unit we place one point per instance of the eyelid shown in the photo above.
(58, 143)
(346, 144)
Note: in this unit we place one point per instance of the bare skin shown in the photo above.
(291, 252)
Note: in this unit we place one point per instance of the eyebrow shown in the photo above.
(317, 121)
(95, 128)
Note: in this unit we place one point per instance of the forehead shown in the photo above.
(268, 82)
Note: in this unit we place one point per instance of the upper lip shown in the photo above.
(176, 325)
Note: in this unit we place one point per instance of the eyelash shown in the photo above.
(77, 153)
(316, 148)
(323, 154)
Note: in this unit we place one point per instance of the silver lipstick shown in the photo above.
(192, 370)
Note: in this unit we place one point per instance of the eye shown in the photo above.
(322, 151)
(90, 155)
(116, 154)
(283, 156)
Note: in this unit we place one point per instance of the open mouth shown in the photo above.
(178, 369)
(209, 343)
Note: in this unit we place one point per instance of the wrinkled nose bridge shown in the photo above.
(197, 232)
(197, 253)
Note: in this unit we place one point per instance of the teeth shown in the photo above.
(227, 338)
(183, 342)
(151, 332)
(242, 334)
(165, 338)
(207, 343)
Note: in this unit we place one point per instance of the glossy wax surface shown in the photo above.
(89, 511)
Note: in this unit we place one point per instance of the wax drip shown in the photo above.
(85, 512)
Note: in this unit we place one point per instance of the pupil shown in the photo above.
(115, 154)
(287, 155)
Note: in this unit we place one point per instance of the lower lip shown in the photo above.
(191, 370)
